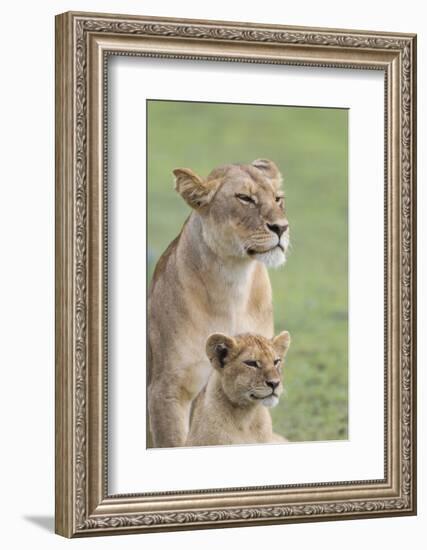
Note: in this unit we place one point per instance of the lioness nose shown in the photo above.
(272, 383)
(277, 228)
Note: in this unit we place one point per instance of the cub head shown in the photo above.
(250, 366)
(242, 208)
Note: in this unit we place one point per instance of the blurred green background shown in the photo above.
(310, 146)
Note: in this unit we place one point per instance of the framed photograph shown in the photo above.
(235, 274)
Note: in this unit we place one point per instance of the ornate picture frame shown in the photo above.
(83, 43)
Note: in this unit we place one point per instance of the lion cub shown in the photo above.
(231, 409)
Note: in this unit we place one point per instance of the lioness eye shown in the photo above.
(252, 364)
(277, 362)
(244, 198)
(279, 199)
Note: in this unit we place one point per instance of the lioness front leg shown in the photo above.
(169, 417)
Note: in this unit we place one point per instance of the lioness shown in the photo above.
(231, 408)
(211, 278)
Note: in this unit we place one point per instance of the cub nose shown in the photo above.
(277, 228)
(272, 383)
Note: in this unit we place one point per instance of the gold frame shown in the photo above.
(83, 43)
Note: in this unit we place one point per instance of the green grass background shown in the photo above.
(310, 292)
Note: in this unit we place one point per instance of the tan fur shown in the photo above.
(208, 280)
(232, 407)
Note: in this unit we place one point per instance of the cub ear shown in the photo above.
(282, 342)
(269, 169)
(218, 349)
(196, 192)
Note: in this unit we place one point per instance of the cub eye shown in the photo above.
(252, 364)
(245, 198)
(277, 362)
(279, 199)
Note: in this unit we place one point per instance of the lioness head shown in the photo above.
(242, 208)
(250, 366)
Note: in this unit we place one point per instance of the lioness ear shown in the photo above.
(196, 192)
(269, 169)
(218, 349)
(282, 342)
